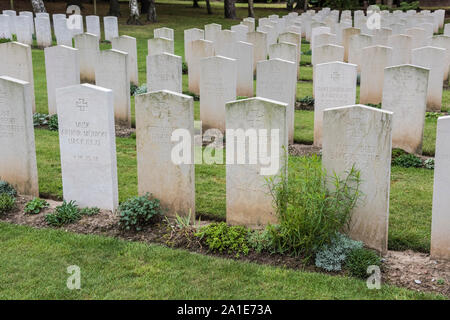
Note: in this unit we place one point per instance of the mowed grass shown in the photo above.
(34, 266)
(410, 200)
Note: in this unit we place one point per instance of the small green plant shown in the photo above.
(433, 115)
(66, 213)
(4, 40)
(378, 105)
(53, 122)
(35, 206)
(429, 163)
(407, 161)
(5, 187)
(7, 202)
(186, 221)
(332, 256)
(260, 240)
(311, 206)
(140, 90)
(359, 259)
(137, 212)
(193, 95)
(89, 211)
(307, 100)
(397, 152)
(40, 119)
(219, 237)
(184, 68)
(133, 89)
(440, 282)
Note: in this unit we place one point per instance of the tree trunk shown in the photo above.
(230, 9)
(149, 7)
(114, 8)
(38, 6)
(12, 4)
(251, 12)
(208, 7)
(134, 13)
(306, 4)
(195, 4)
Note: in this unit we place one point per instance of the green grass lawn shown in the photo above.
(34, 264)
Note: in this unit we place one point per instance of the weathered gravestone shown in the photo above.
(226, 43)
(16, 62)
(263, 121)
(285, 51)
(111, 28)
(434, 59)
(5, 31)
(218, 76)
(244, 56)
(211, 31)
(111, 71)
(360, 136)
(372, 74)
(347, 33)
(259, 41)
(328, 53)
(30, 21)
(241, 32)
(163, 33)
(128, 44)
(200, 49)
(88, 46)
(23, 32)
(334, 86)
(440, 224)
(62, 69)
(189, 36)
(443, 42)
(356, 44)
(276, 80)
(160, 45)
(164, 72)
(405, 94)
(43, 32)
(165, 150)
(401, 45)
(88, 146)
(93, 25)
(18, 154)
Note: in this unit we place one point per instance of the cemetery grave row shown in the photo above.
(401, 64)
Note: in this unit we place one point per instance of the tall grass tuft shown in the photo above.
(311, 206)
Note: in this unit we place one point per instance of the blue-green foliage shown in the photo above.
(331, 257)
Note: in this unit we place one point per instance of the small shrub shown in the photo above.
(184, 68)
(308, 100)
(429, 163)
(66, 213)
(89, 211)
(193, 95)
(140, 90)
(397, 152)
(137, 212)
(359, 259)
(7, 202)
(35, 206)
(378, 106)
(133, 89)
(53, 122)
(260, 240)
(311, 206)
(332, 256)
(4, 40)
(5, 187)
(407, 161)
(40, 119)
(433, 115)
(223, 238)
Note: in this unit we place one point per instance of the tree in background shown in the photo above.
(149, 7)
(134, 13)
(38, 6)
(230, 9)
(114, 8)
(251, 12)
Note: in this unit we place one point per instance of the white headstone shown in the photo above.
(226, 44)
(30, 22)
(334, 86)
(93, 25)
(23, 31)
(164, 72)
(163, 33)
(356, 44)
(259, 41)
(440, 223)
(43, 32)
(328, 53)
(200, 49)
(128, 44)
(88, 146)
(218, 77)
(249, 201)
(111, 27)
(401, 45)
(241, 32)
(244, 55)
(434, 59)
(276, 80)
(62, 69)
(443, 42)
(211, 31)
(360, 136)
(18, 154)
(63, 34)
(158, 116)
(88, 46)
(16, 63)
(189, 36)
(111, 71)
(5, 32)
(160, 45)
(405, 94)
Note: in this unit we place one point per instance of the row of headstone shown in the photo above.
(24, 26)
